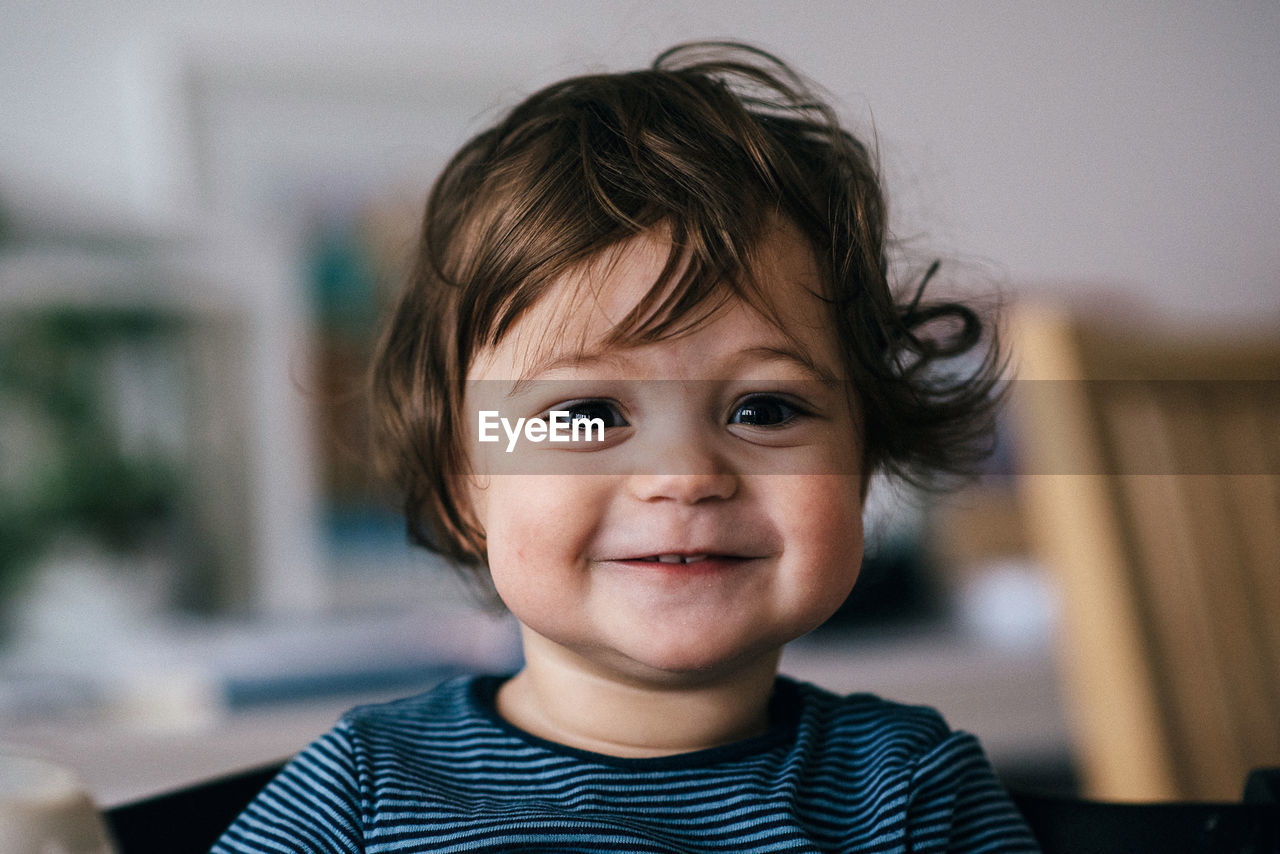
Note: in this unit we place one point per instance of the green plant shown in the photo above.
(66, 469)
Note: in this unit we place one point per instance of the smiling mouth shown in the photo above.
(705, 560)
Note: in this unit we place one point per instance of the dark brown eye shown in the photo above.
(764, 411)
(589, 410)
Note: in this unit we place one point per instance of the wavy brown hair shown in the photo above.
(712, 143)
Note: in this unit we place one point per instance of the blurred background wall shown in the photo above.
(1130, 145)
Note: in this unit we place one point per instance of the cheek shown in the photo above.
(539, 530)
(509, 514)
(825, 527)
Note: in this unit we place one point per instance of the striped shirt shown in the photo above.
(442, 772)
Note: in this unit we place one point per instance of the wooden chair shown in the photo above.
(1151, 491)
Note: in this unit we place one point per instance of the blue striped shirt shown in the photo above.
(442, 772)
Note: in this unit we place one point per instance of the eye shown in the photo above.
(764, 410)
(587, 410)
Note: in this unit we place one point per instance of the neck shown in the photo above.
(563, 698)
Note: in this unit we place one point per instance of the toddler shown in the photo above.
(643, 371)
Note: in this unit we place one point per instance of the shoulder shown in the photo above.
(451, 700)
(436, 720)
(934, 783)
(874, 745)
(320, 801)
(868, 720)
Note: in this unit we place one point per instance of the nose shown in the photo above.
(684, 472)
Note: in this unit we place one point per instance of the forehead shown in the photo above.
(579, 316)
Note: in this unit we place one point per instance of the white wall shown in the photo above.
(1130, 146)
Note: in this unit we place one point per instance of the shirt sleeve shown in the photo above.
(958, 804)
(313, 806)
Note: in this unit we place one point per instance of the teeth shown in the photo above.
(676, 559)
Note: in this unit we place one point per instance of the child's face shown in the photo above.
(733, 444)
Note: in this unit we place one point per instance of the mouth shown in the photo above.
(681, 561)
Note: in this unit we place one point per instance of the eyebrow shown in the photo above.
(789, 354)
(576, 359)
(792, 355)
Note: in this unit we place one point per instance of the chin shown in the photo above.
(693, 661)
